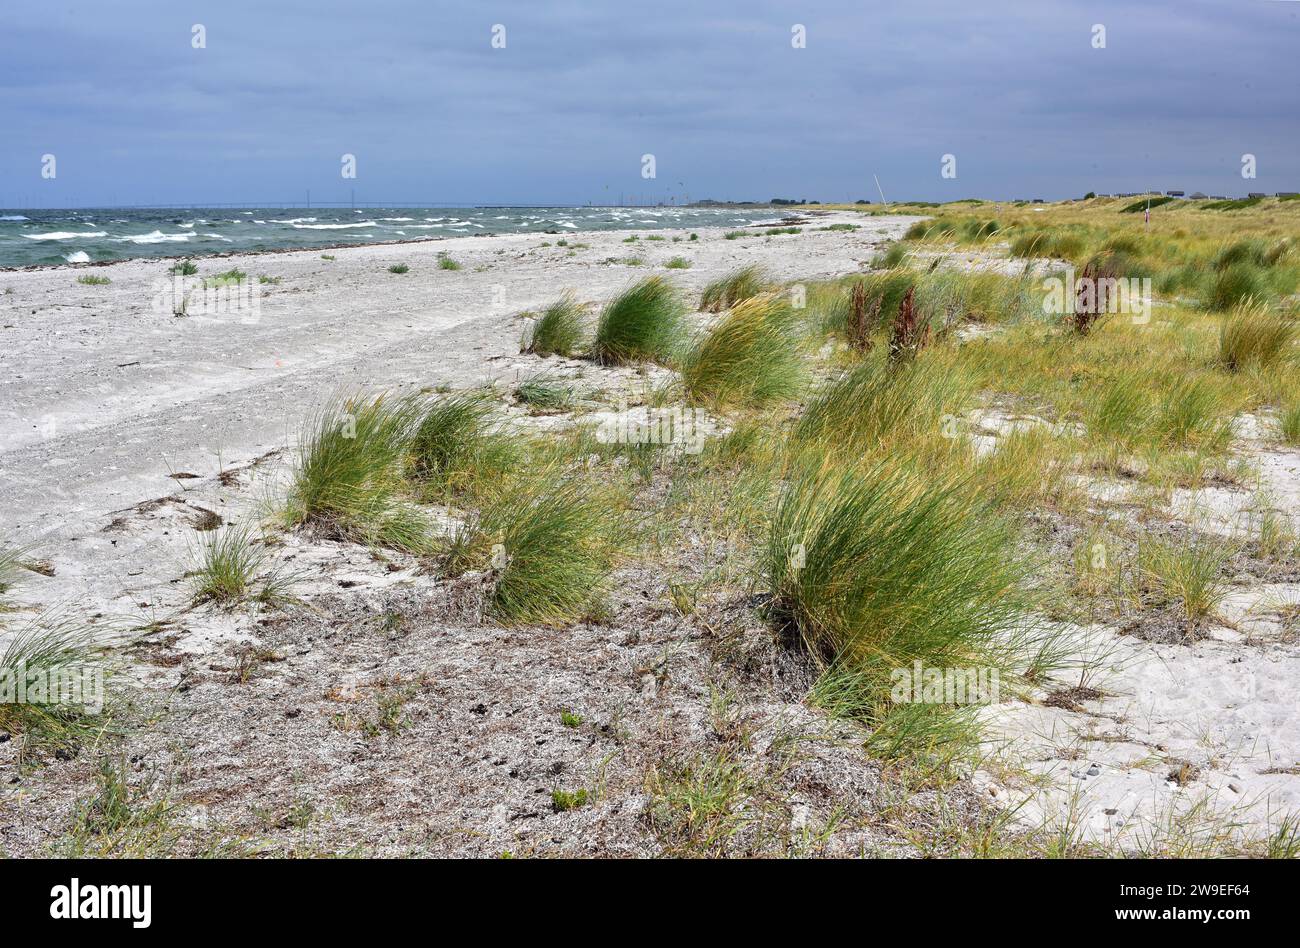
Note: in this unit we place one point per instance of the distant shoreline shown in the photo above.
(221, 254)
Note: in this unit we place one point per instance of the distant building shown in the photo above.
(1174, 194)
(1287, 194)
(1257, 194)
(1196, 196)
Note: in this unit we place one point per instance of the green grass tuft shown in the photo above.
(1288, 422)
(550, 542)
(643, 323)
(560, 328)
(229, 565)
(1254, 336)
(455, 445)
(875, 567)
(1235, 285)
(65, 654)
(1190, 572)
(729, 290)
(748, 358)
(349, 477)
(546, 392)
(874, 406)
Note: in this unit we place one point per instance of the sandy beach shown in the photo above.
(106, 399)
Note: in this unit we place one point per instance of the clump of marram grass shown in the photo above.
(183, 268)
(90, 279)
(546, 392)
(57, 650)
(1252, 335)
(748, 358)
(550, 542)
(1056, 244)
(229, 565)
(678, 263)
(876, 406)
(559, 330)
(1127, 414)
(447, 263)
(725, 292)
(455, 443)
(874, 568)
(1191, 414)
(892, 256)
(643, 323)
(1235, 285)
(349, 477)
(399, 268)
(1288, 421)
(1190, 572)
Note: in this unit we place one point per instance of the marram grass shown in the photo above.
(873, 568)
(875, 406)
(644, 323)
(550, 541)
(456, 445)
(559, 329)
(725, 292)
(349, 477)
(1252, 335)
(53, 645)
(749, 358)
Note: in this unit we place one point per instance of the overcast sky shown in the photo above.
(714, 89)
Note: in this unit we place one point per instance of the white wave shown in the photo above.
(335, 226)
(296, 220)
(14, 217)
(154, 237)
(397, 220)
(79, 257)
(65, 235)
(220, 237)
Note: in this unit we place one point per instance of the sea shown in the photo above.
(86, 235)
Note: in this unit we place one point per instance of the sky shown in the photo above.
(1018, 92)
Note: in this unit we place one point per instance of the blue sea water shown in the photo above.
(44, 237)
